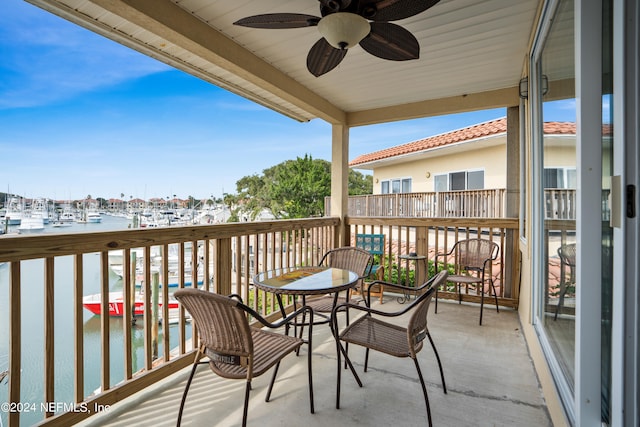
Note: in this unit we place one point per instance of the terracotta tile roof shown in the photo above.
(481, 130)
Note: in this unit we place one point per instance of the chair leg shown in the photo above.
(424, 391)
(273, 380)
(433, 345)
(310, 372)
(339, 377)
(495, 296)
(481, 302)
(186, 390)
(353, 370)
(366, 359)
(304, 319)
(346, 312)
(246, 403)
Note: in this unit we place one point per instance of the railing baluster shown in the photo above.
(128, 298)
(15, 341)
(105, 367)
(49, 334)
(146, 318)
(78, 326)
(165, 296)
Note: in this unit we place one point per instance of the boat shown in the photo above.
(14, 211)
(60, 224)
(116, 264)
(67, 215)
(94, 217)
(30, 223)
(40, 209)
(93, 303)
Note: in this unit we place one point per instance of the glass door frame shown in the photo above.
(583, 405)
(563, 388)
(625, 394)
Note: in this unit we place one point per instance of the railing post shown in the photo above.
(222, 266)
(422, 268)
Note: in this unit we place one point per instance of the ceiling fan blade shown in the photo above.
(393, 10)
(323, 58)
(279, 21)
(391, 41)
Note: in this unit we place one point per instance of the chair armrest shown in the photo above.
(281, 322)
(443, 254)
(237, 297)
(345, 306)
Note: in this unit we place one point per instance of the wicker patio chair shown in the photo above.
(348, 258)
(567, 254)
(472, 259)
(233, 348)
(371, 332)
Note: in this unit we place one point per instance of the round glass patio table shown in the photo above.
(303, 281)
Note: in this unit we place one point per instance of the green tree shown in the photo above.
(252, 194)
(297, 188)
(359, 183)
(294, 188)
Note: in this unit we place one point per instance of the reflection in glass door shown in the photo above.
(557, 162)
(557, 169)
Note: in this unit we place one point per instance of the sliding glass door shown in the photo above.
(574, 236)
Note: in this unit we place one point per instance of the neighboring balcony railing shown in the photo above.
(491, 203)
(68, 364)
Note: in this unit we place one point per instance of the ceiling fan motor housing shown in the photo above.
(344, 30)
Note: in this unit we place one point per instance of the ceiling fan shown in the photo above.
(346, 23)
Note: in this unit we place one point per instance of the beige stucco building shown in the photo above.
(471, 158)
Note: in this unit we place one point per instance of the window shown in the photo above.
(440, 183)
(458, 181)
(475, 180)
(396, 186)
(559, 178)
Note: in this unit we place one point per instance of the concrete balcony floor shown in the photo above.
(488, 371)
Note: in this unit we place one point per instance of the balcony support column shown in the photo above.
(340, 180)
(511, 249)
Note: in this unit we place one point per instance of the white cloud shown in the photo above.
(40, 49)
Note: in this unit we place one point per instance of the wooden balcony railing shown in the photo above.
(67, 364)
(560, 204)
(429, 236)
(67, 267)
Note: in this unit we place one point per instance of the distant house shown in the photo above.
(472, 158)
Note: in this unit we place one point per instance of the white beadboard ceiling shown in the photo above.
(472, 54)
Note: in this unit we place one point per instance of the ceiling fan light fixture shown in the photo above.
(343, 30)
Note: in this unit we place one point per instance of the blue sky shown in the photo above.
(82, 115)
